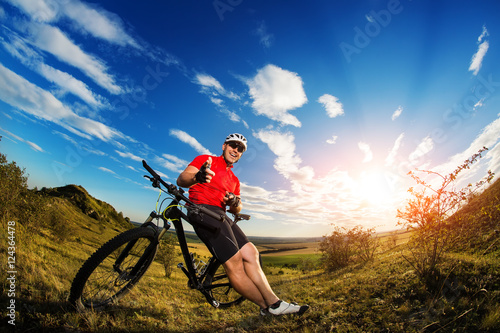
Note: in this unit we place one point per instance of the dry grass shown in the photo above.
(281, 249)
(381, 296)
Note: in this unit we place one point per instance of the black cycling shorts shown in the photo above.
(223, 239)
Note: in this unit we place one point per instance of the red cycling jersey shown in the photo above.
(224, 180)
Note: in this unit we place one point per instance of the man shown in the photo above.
(212, 184)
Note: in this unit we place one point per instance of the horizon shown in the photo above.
(338, 100)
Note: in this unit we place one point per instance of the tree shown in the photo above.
(347, 246)
(13, 188)
(427, 213)
(17, 202)
(166, 254)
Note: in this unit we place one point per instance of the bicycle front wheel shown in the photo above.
(220, 289)
(113, 269)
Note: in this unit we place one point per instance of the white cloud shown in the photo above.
(212, 86)
(67, 82)
(22, 94)
(397, 113)
(214, 90)
(479, 104)
(332, 198)
(265, 38)
(365, 148)
(209, 81)
(261, 216)
(107, 170)
(489, 138)
(283, 146)
(172, 163)
(129, 155)
(424, 147)
(66, 137)
(39, 10)
(232, 115)
(332, 140)
(98, 22)
(175, 159)
(483, 35)
(275, 92)
(85, 17)
(81, 145)
(332, 105)
(287, 162)
(392, 154)
(477, 58)
(494, 159)
(18, 48)
(186, 138)
(32, 145)
(54, 41)
(217, 101)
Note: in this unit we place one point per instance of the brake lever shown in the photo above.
(154, 180)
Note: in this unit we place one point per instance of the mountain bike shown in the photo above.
(118, 265)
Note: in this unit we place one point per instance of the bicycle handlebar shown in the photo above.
(178, 193)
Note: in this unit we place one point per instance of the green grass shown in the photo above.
(293, 260)
(384, 295)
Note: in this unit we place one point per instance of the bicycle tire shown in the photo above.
(220, 289)
(98, 285)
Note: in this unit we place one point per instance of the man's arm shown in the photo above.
(189, 177)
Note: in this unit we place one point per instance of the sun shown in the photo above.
(374, 187)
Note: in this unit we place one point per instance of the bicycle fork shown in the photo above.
(142, 260)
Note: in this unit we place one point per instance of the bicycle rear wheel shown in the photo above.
(102, 280)
(220, 289)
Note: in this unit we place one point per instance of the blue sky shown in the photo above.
(338, 99)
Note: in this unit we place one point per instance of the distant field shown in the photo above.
(402, 236)
(275, 250)
(288, 260)
(271, 248)
(198, 248)
(280, 249)
(283, 252)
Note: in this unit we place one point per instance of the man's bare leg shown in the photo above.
(241, 282)
(247, 278)
(254, 271)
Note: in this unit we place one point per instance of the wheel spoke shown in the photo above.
(219, 287)
(101, 282)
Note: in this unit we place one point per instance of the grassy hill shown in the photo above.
(383, 295)
(100, 211)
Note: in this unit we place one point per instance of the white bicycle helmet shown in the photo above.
(238, 138)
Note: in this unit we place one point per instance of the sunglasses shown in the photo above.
(235, 145)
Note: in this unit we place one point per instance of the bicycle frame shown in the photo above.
(131, 253)
(172, 214)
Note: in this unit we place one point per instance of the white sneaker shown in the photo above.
(287, 308)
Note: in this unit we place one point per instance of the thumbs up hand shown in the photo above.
(205, 174)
